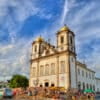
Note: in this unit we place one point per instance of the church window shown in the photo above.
(41, 70)
(71, 39)
(41, 48)
(52, 68)
(78, 71)
(62, 67)
(62, 39)
(35, 48)
(33, 71)
(82, 73)
(47, 69)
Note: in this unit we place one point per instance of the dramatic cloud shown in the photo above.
(85, 22)
(18, 17)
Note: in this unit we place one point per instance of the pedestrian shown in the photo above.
(29, 93)
(35, 92)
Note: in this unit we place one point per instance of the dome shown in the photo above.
(40, 39)
(65, 28)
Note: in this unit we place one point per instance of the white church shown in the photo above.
(58, 66)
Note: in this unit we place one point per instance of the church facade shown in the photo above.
(58, 66)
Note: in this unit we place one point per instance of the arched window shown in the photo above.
(35, 48)
(71, 40)
(52, 68)
(33, 72)
(62, 66)
(42, 48)
(41, 70)
(47, 69)
(62, 39)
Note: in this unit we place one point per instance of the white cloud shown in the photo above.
(13, 13)
(5, 49)
(85, 23)
(68, 5)
(14, 57)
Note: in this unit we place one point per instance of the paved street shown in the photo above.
(37, 99)
(24, 98)
(97, 98)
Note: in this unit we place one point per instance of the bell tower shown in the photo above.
(65, 40)
(66, 45)
(36, 47)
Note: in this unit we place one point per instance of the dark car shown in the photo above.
(7, 93)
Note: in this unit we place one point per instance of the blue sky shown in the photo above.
(21, 21)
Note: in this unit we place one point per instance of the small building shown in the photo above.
(85, 77)
(97, 84)
(3, 84)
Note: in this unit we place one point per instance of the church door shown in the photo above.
(46, 84)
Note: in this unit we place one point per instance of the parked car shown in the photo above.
(8, 93)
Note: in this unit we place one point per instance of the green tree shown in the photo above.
(18, 81)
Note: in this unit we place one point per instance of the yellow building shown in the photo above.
(54, 66)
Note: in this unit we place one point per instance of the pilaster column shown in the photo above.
(37, 79)
(57, 71)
